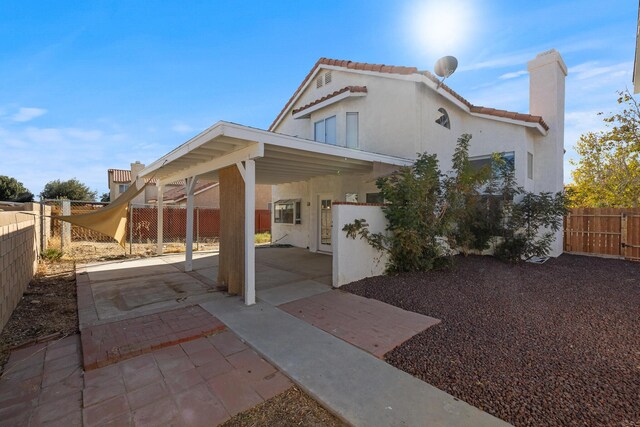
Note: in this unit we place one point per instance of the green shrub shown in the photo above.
(51, 254)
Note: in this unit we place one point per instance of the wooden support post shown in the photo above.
(623, 234)
(249, 176)
(160, 236)
(232, 205)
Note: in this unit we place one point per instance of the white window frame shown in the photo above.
(323, 132)
(529, 165)
(296, 207)
(121, 186)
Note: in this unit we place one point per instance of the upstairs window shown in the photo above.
(443, 120)
(529, 165)
(325, 130)
(123, 187)
(352, 130)
(480, 162)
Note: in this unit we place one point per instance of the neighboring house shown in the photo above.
(120, 179)
(206, 193)
(400, 111)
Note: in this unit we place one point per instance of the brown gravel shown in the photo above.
(48, 306)
(291, 408)
(551, 344)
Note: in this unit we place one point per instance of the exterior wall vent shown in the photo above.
(319, 82)
(327, 77)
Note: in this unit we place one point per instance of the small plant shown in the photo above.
(263, 237)
(51, 254)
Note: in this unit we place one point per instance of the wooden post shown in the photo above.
(249, 231)
(623, 234)
(232, 214)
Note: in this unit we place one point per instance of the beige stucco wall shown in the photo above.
(19, 248)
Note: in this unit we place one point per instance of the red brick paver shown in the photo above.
(112, 342)
(370, 324)
(42, 385)
(197, 383)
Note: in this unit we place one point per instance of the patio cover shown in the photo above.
(261, 157)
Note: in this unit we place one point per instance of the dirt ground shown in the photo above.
(291, 408)
(47, 307)
(83, 252)
(551, 344)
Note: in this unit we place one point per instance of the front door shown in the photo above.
(324, 222)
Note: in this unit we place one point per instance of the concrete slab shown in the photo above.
(292, 292)
(128, 269)
(360, 388)
(140, 294)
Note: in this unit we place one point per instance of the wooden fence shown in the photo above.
(612, 232)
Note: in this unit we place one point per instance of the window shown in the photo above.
(351, 198)
(352, 130)
(374, 198)
(122, 188)
(529, 165)
(287, 212)
(325, 130)
(443, 120)
(480, 162)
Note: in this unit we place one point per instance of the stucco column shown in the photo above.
(547, 73)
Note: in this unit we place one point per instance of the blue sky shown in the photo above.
(91, 85)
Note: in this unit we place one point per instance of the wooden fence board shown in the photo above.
(613, 232)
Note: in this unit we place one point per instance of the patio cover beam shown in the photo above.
(250, 152)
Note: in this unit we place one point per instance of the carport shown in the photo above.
(239, 157)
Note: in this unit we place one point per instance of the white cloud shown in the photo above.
(26, 114)
(181, 127)
(513, 75)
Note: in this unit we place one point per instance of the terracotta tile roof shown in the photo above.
(391, 69)
(123, 176)
(179, 193)
(352, 89)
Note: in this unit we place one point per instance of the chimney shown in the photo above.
(547, 73)
(135, 169)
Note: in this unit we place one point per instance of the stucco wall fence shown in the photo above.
(19, 249)
(355, 259)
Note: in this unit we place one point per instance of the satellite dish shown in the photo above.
(446, 66)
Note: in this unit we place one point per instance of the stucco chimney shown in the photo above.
(547, 73)
(135, 169)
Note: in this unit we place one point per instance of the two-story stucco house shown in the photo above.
(347, 124)
(400, 111)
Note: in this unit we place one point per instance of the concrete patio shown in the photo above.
(160, 345)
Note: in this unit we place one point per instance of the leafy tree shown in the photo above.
(11, 190)
(71, 189)
(607, 173)
(106, 197)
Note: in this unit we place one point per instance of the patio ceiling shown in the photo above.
(279, 158)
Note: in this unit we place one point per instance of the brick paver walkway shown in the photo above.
(197, 383)
(370, 324)
(42, 385)
(116, 341)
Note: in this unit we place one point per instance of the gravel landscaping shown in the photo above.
(550, 344)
